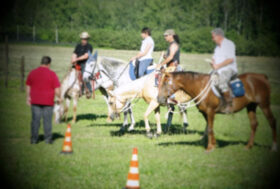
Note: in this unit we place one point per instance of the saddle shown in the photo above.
(133, 70)
(236, 88)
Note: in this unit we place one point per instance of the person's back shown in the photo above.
(43, 82)
(42, 85)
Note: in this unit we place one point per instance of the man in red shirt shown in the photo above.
(42, 85)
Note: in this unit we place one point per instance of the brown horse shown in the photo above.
(257, 94)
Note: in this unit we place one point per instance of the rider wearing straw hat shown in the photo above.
(80, 55)
(172, 57)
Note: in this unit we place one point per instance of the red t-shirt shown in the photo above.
(42, 82)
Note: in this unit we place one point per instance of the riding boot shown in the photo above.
(228, 99)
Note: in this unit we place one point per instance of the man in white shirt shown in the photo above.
(224, 62)
(145, 55)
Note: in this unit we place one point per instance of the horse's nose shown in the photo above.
(161, 100)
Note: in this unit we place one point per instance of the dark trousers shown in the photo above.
(39, 111)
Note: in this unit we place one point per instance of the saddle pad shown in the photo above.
(132, 76)
(236, 87)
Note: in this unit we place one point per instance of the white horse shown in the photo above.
(141, 88)
(70, 89)
(108, 73)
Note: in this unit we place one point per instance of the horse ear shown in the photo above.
(95, 55)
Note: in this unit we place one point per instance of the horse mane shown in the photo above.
(191, 73)
(112, 61)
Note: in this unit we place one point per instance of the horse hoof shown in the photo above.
(108, 120)
(149, 135)
(157, 135)
(209, 150)
(130, 129)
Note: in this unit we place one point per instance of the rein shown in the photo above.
(202, 95)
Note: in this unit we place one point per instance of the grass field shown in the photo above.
(101, 157)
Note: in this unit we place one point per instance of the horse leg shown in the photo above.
(132, 120)
(251, 109)
(108, 120)
(153, 105)
(183, 113)
(66, 108)
(272, 122)
(169, 119)
(122, 129)
(75, 103)
(157, 116)
(211, 138)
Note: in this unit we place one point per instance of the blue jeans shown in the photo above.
(39, 111)
(143, 65)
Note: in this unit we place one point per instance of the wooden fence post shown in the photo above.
(22, 74)
(7, 61)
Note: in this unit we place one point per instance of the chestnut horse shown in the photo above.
(257, 90)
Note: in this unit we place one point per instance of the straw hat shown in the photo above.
(169, 32)
(84, 35)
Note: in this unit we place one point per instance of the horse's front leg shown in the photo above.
(124, 121)
(75, 103)
(108, 120)
(66, 108)
(132, 120)
(157, 116)
(153, 105)
(183, 113)
(211, 138)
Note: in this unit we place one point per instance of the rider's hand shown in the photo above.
(132, 59)
(74, 60)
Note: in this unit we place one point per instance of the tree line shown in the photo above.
(252, 24)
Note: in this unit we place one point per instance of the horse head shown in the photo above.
(166, 87)
(90, 67)
(58, 111)
(116, 104)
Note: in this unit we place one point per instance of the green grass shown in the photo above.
(101, 157)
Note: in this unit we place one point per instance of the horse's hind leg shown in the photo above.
(251, 109)
(169, 119)
(132, 120)
(272, 122)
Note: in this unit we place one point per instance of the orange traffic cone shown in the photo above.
(67, 145)
(133, 174)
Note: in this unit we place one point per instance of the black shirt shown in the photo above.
(80, 50)
(176, 57)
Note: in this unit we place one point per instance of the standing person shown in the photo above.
(42, 85)
(172, 57)
(79, 58)
(145, 55)
(224, 62)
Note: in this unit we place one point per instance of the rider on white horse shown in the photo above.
(79, 58)
(144, 58)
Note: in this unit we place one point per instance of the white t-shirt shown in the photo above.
(223, 52)
(147, 41)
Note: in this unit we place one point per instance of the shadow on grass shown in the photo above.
(90, 117)
(203, 142)
(54, 137)
(175, 129)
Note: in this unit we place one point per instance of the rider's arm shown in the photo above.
(173, 49)
(73, 59)
(141, 54)
(83, 57)
(223, 64)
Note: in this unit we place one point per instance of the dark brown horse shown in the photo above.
(257, 94)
